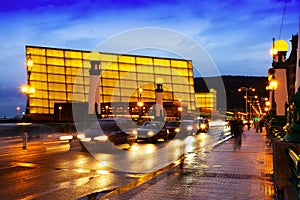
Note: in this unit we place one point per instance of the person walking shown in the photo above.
(256, 125)
(237, 129)
(261, 124)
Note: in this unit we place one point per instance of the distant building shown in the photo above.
(61, 78)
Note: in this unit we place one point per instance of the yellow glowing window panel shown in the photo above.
(56, 69)
(144, 69)
(72, 71)
(128, 83)
(39, 68)
(33, 110)
(35, 51)
(126, 59)
(55, 53)
(180, 80)
(107, 98)
(57, 87)
(180, 72)
(78, 80)
(70, 79)
(38, 60)
(128, 75)
(110, 82)
(190, 72)
(32, 101)
(168, 96)
(162, 70)
(38, 76)
(38, 85)
(165, 78)
(56, 78)
(161, 62)
(109, 66)
(144, 61)
(109, 57)
(110, 74)
(179, 63)
(78, 88)
(145, 77)
(181, 88)
(127, 91)
(111, 91)
(69, 88)
(127, 67)
(73, 54)
(69, 96)
(148, 94)
(76, 63)
(55, 61)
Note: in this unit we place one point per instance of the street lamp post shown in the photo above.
(60, 108)
(27, 89)
(18, 108)
(273, 86)
(246, 92)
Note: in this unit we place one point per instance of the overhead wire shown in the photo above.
(282, 19)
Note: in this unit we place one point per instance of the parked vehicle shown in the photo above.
(105, 132)
(151, 131)
(202, 125)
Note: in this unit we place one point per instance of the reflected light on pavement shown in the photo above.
(102, 172)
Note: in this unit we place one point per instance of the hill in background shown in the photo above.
(235, 99)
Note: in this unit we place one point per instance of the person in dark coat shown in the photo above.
(261, 124)
(237, 129)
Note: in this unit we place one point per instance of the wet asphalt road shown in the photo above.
(53, 169)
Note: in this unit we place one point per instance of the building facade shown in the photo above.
(62, 77)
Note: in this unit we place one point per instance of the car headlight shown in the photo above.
(102, 138)
(189, 128)
(81, 136)
(177, 130)
(134, 132)
(86, 139)
(150, 133)
(66, 137)
(203, 126)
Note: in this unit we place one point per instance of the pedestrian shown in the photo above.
(256, 124)
(237, 129)
(261, 124)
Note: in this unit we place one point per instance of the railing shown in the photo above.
(295, 170)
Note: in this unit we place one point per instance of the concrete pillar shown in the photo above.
(159, 111)
(281, 97)
(94, 91)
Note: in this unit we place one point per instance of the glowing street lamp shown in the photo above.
(60, 108)
(27, 89)
(273, 86)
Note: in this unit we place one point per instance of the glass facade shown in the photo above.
(206, 101)
(62, 76)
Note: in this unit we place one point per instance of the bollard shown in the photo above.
(25, 137)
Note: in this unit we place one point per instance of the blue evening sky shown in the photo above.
(237, 34)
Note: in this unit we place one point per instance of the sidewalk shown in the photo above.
(219, 174)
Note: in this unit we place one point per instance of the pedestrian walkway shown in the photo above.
(220, 174)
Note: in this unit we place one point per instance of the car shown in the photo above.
(172, 128)
(180, 129)
(108, 132)
(202, 125)
(151, 131)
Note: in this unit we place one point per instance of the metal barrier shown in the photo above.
(295, 170)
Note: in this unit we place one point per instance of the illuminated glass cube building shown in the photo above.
(61, 77)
